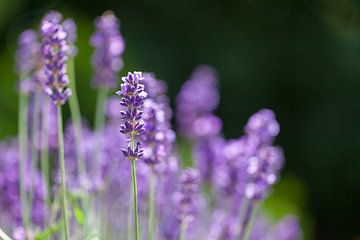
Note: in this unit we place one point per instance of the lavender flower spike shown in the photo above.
(185, 198)
(55, 49)
(109, 46)
(133, 96)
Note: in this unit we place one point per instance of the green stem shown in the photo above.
(3, 235)
(44, 154)
(99, 112)
(183, 227)
(76, 117)
(248, 222)
(34, 150)
(151, 205)
(62, 172)
(23, 141)
(134, 184)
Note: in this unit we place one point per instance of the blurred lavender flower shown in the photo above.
(133, 96)
(29, 61)
(9, 188)
(263, 169)
(263, 126)
(198, 97)
(55, 49)
(186, 196)
(109, 46)
(158, 137)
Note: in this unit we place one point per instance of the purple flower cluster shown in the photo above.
(133, 96)
(55, 49)
(29, 61)
(214, 199)
(158, 137)
(109, 46)
(185, 197)
(197, 99)
(9, 188)
(266, 161)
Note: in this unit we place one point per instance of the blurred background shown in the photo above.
(300, 58)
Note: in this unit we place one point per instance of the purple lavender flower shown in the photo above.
(9, 188)
(133, 96)
(158, 137)
(185, 197)
(28, 60)
(263, 126)
(55, 48)
(69, 27)
(198, 96)
(263, 169)
(109, 46)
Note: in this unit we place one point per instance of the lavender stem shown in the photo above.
(23, 141)
(44, 154)
(183, 227)
(34, 151)
(249, 218)
(3, 235)
(151, 205)
(136, 222)
(62, 171)
(76, 116)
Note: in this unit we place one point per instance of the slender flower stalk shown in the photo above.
(55, 49)
(248, 221)
(3, 235)
(23, 142)
(44, 154)
(76, 117)
(151, 205)
(35, 143)
(27, 57)
(133, 96)
(62, 172)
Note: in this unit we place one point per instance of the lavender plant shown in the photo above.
(55, 48)
(132, 176)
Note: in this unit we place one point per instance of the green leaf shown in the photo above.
(49, 232)
(79, 215)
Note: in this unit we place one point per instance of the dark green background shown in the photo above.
(300, 58)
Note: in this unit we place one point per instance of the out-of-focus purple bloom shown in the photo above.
(133, 97)
(263, 126)
(29, 61)
(70, 28)
(263, 169)
(185, 197)
(109, 46)
(198, 96)
(55, 49)
(224, 226)
(9, 188)
(158, 137)
(208, 154)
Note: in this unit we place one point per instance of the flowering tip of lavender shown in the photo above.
(109, 46)
(263, 170)
(264, 125)
(198, 96)
(26, 55)
(55, 49)
(185, 197)
(132, 98)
